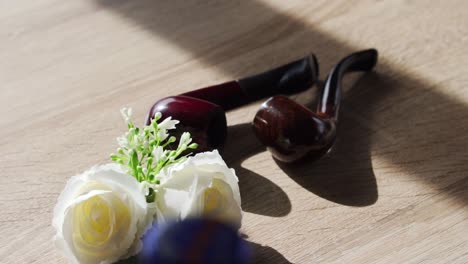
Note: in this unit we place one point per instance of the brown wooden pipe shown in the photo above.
(287, 79)
(201, 112)
(291, 131)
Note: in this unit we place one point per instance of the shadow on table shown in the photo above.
(259, 194)
(405, 122)
(415, 127)
(345, 174)
(265, 254)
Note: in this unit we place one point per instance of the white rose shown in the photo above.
(101, 215)
(201, 186)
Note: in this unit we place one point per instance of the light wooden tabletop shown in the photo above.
(393, 190)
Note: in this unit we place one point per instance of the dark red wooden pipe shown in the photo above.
(291, 131)
(205, 121)
(201, 112)
(287, 79)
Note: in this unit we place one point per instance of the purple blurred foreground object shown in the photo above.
(194, 241)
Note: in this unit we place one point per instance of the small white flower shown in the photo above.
(201, 186)
(157, 116)
(122, 141)
(126, 114)
(158, 153)
(101, 215)
(162, 134)
(168, 124)
(185, 140)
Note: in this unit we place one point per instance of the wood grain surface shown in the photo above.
(393, 190)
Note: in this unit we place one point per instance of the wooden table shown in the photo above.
(393, 190)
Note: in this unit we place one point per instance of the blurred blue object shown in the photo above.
(194, 241)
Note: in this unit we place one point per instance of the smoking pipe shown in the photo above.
(291, 131)
(202, 112)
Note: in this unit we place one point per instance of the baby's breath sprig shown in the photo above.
(142, 151)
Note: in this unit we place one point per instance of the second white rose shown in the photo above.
(201, 186)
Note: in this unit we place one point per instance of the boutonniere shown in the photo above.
(102, 214)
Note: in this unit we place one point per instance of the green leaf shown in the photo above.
(151, 197)
(136, 146)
